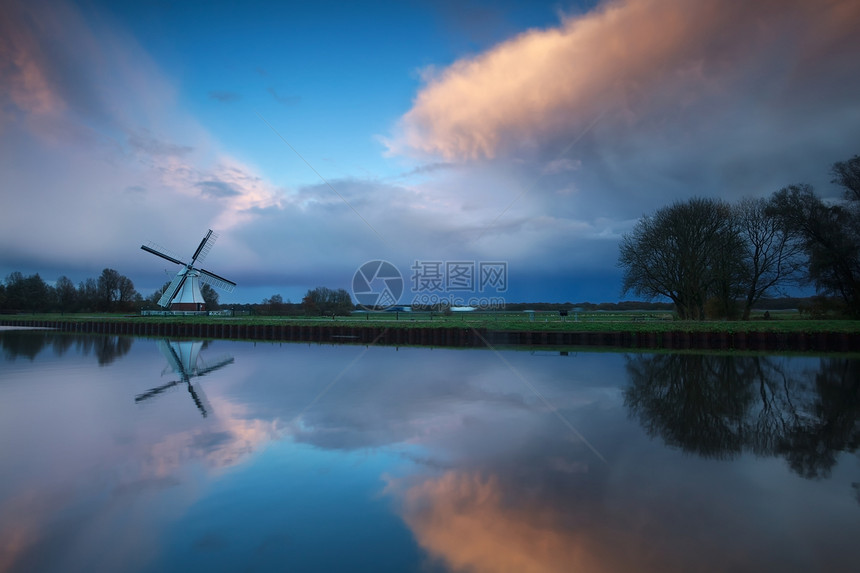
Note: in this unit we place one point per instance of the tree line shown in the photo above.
(114, 292)
(319, 301)
(109, 292)
(713, 259)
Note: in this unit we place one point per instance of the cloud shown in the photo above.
(224, 96)
(429, 168)
(540, 151)
(216, 189)
(23, 82)
(561, 165)
(142, 141)
(88, 124)
(666, 81)
(613, 113)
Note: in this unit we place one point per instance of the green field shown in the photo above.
(630, 321)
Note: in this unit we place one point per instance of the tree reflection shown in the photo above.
(17, 346)
(695, 402)
(30, 343)
(721, 406)
(829, 423)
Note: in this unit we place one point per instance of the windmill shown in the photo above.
(184, 290)
(184, 360)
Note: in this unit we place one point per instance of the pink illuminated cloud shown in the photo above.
(632, 64)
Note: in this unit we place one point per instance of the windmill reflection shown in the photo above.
(183, 358)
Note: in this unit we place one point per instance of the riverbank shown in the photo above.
(814, 338)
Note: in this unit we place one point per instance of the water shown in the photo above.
(149, 455)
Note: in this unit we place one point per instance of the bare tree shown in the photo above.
(115, 291)
(67, 295)
(210, 296)
(683, 252)
(328, 302)
(108, 285)
(846, 174)
(830, 238)
(772, 252)
(38, 295)
(88, 294)
(126, 294)
(28, 293)
(15, 291)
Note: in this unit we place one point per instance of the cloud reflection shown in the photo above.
(463, 520)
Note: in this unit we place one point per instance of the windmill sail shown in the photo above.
(216, 281)
(155, 391)
(159, 252)
(220, 363)
(171, 290)
(199, 399)
(205, 247)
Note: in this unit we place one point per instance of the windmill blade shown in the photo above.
(220, 363)
(158, 251)
(199, 399)
(172, 289)
(155, 391)
(205, 246)
(216, 281)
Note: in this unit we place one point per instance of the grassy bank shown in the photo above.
(498, 321)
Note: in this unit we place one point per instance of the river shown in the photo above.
(145, 454)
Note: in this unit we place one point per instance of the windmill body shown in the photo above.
(183, 294)
(189, 296)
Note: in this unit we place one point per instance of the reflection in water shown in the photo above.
(695, 401)
(326, 458)
(466, 521)
(30, 343)
(184, 359)
(721, 406)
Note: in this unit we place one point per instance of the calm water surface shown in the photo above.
(139, 454)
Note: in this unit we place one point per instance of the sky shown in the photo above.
(315, 137)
